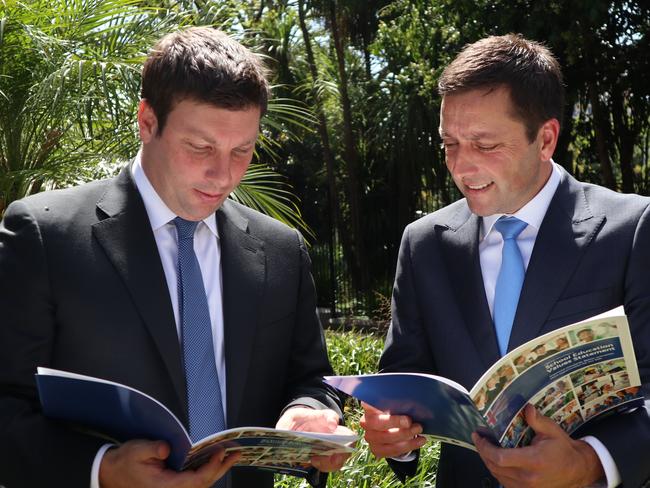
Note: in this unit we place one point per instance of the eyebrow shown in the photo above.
(247, 143)
(475, 136)
(210, 140)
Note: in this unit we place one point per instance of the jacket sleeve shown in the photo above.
(34, 451)
(309, 361)
(627, 436)
(406, 346)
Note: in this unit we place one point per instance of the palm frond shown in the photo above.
(266, 191)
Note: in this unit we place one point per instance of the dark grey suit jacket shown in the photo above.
(592, 254)
(82, 289)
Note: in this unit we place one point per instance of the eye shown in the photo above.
(447, 146)
(198, 148)
(242, 151)
(486, 147)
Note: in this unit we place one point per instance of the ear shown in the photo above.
(147, 122)
(548, 135)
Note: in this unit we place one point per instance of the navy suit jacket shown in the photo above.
(82, 289)
(592, 254)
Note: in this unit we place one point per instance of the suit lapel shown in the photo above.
(243, 265)
(128, 241)
(566, 231)
(460, 246)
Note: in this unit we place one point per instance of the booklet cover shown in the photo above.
(122, 413)
(572, 375)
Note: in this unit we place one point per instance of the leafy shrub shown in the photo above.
(354, 352)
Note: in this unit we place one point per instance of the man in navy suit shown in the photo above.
(88, 284)
(584, 250)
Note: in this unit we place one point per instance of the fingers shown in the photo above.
(334, 462)
(390, 435)
(328, 419)
(498, 458)
(394, 449)
(156, 450)
(219, 464)
(500, 462)
(377, 420)
(343, 430)
(370, 409)
(307, 419)
(228, 462)
(393, 441)
(328, 464)
(134, 463)
(491, 455)
(543, 426)
(138, 451)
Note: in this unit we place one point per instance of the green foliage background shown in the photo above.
(349, 149)
(356, 352)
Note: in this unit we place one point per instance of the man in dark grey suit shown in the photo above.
(88, 284)
(584, 250)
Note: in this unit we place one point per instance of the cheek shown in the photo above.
(239, 168)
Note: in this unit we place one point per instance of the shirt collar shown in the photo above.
(534, 211)
(158, 212)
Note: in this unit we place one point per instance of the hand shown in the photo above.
(306, 419)
(390, 435)
(142, 463)
(553, 458)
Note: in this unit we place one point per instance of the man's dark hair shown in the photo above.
(205, 65)
(526, 68)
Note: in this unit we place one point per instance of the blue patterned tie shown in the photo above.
(510, 280)
(203, 390)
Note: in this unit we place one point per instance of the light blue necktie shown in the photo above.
(510, 280)
(203, 390)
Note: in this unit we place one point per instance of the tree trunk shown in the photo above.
(601, 129)
(351, 157)
(260, 11)
(332, 194)
(624, 137)
(562, 155)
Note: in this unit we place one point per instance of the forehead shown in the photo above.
(209, 121)
(474, 113)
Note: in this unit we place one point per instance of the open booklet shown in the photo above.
(572, 375)
(120, 413)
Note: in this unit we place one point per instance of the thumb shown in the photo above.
(331, 419)
(541, 424)
(158, 450)
(369, 409)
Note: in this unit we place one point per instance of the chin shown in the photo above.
(481, 211)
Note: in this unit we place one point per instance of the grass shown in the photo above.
(354, 352)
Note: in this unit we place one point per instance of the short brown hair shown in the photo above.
(206, 65)
(527, 68)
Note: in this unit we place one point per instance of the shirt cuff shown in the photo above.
(94, 473)
(405, 458)
(612, 475)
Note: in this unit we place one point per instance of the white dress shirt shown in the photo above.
(208, 253)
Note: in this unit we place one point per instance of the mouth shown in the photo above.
(208, 196)
(480, 187)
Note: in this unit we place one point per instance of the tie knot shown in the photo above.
(185, 228)
(510, 227)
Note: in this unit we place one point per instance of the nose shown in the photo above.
(460, 161)
(217, 171)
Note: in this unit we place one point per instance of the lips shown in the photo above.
(478, 187)
(208, 196)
